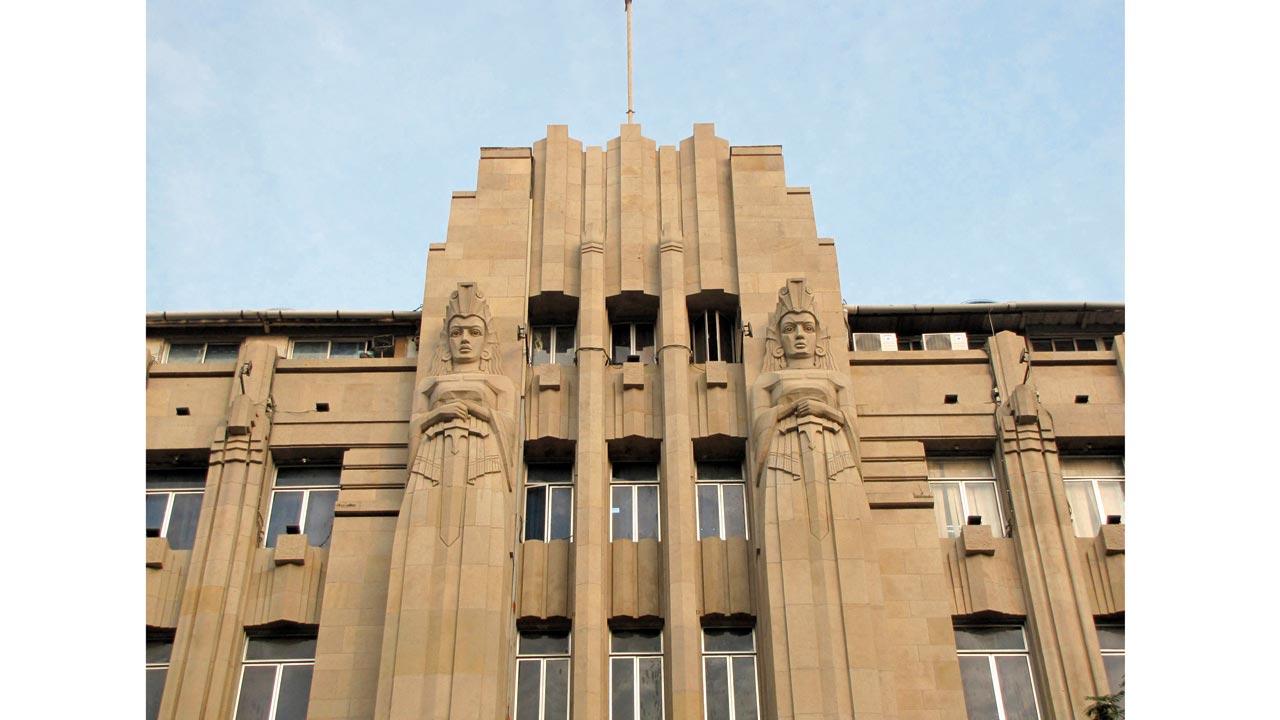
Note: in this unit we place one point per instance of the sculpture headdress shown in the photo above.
(466, 301)
(795, 297)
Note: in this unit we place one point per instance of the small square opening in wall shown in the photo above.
(184, 411)
(950, 399)
(322, 407)
(1082, 399)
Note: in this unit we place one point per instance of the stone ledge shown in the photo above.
(157, 549)
(291, 549)
(977, 540)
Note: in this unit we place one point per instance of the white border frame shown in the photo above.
(635, 674)
(964, 498)
(729, 657)
(568, 484)
(275, 687)
(542, 659)
(631, 485)
(1101, 518)
(991, 656)
(306, 499)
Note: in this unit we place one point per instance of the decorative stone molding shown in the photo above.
(726, 579)
(544, 581)
(637, 580)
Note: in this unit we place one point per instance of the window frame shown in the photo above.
(562, 486)
(541, 659)
(552, 351)
(364, 354)
(635, 657)
(631, 329)
(1102, 343)
(991, 656)
(306, 490)
(720, 504)
(279, 665)
(633, 486)
(1111, 651)
(962, 481)
(204, 350)
(1101, 518)
(710, 319)
(161, 666)
(169, 502)
(729, 657)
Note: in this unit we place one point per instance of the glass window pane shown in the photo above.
(960, 468)
(186, 352)
(303, 475)
(735, 510)
(1112, 492)
(548, 643)
(698, 336)
(157, 503)
(346, 348)
(281, 648)
(540, 346)
(1111, 637)
(646, 512)
(158, 651)
(621, 341)
(295, 688)
(549, 474)
(311, 349)
(155, 690)
(947, 508)
(564, 345)
(636, 641)
(1084, 512)
(620, 510)
(744, 688)
(727, 334)
(728, 640)
(622, 695)
(535, 513)
(635, 472)
(256, 688)
(1109, 467)
(221, 352)
(177, 479)
(982, 501)
(1115, 671)
(644, 341)
(319, 524)
(1015, 688)
(528, 687)
(183, 520)
(1063, 344)
(556, 696)
(717, 680)
(990, 638)
(286, 507)
(708, 512)
(650, 688)
(561, 513)
(708, 471)
(979, 692)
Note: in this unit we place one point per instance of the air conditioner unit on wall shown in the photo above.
(945, 341)
(863, 342)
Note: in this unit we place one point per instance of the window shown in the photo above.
(173, 505)
(548, 502)
(910, 342)
(1111, 639)
(729, 674)
(551, 344)
(542, 676)
(202, 352)
(1095, 489)
(635, 675)
(632, 342)
(158, 652)
(275, 680)
(1070, 344)
(714, 334)
(381, 346)
(722, 500)
(634, 511)
(995, 670)
(303, 497)
(963, 487)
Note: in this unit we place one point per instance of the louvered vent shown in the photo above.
(946, 341)
(863, 342)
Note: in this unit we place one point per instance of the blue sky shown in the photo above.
(301, 154)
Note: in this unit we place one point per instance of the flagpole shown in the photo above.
(631, 113)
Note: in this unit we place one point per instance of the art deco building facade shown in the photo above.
(635, 458)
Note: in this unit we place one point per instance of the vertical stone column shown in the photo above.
(679, 538)
(591, 502)
(202, 676)
(1059, 624)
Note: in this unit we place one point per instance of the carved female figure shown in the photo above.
(802, 408)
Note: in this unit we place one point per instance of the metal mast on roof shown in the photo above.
(631, 113)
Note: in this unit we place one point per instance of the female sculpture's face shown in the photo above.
(799, 334)
(466, 339)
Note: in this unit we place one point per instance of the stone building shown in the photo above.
(635, 458)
